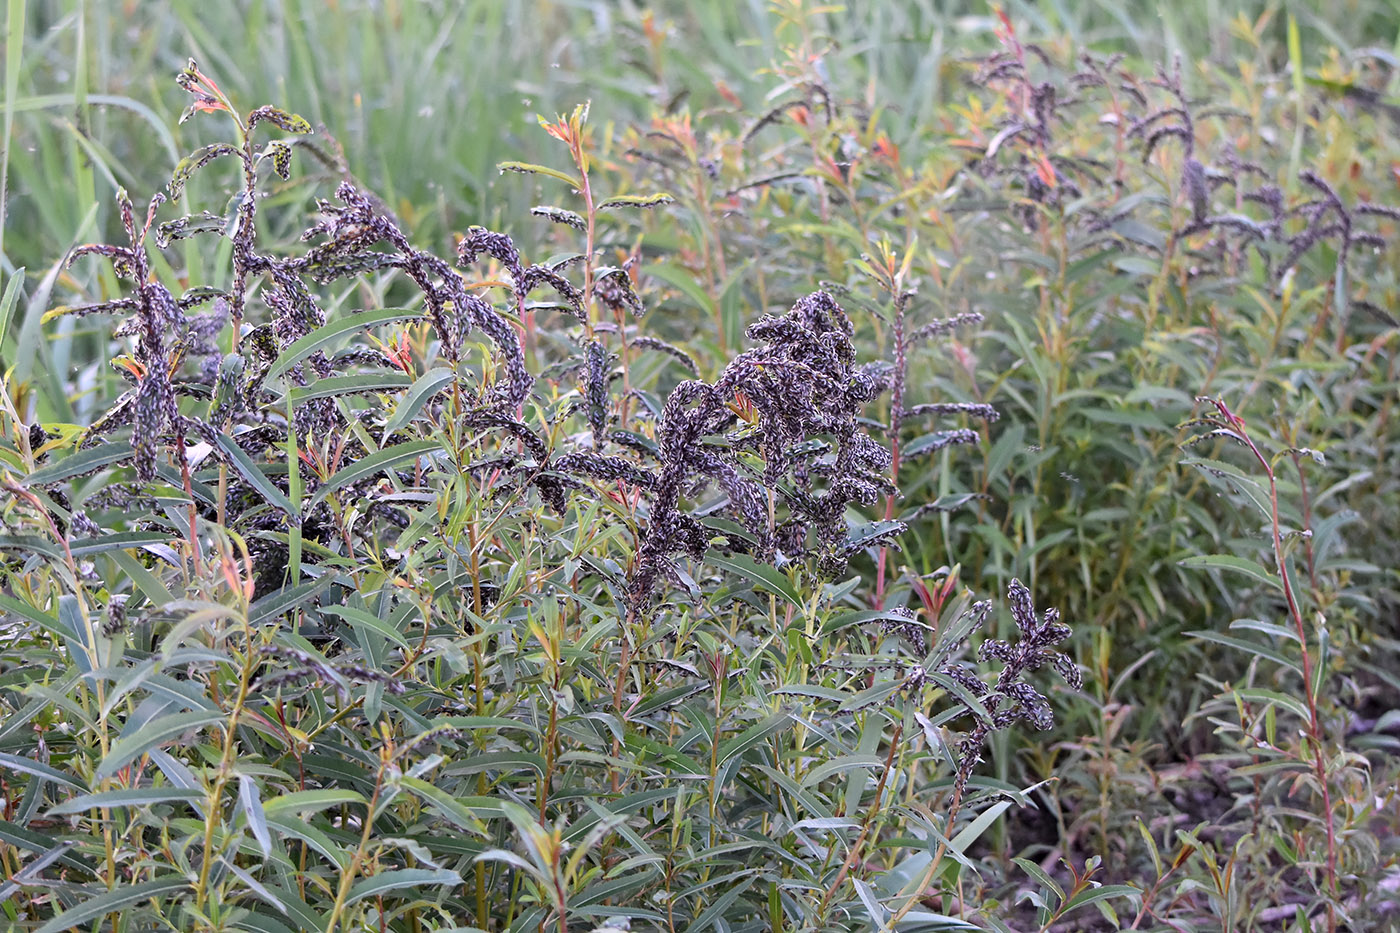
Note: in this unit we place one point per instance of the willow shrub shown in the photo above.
(1143, 244)
(397, 592)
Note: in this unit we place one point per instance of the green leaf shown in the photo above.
(256, 478)
(753, 736)
(115, 900)
(1259, 695)
(935, 441)
(334, 386)
(1248, 646)
(635, 200)
(313, 837)
(1137, 265)
(156, 732)
(1103, 892)
(974, 830)
(424, 388)
(138, 797)
(1038, 873)
(685, 282)
(250, 802)
(283, 120)
(28, 545)
(401, 878)
(1218, 470)
(22, 837)
(717, 907)
(386, 459)
(499, 761)
(323, 337)
(856, 617)
(966, 696)
(455, 812)
(560, 216)
(493, 723)
(38, 769)
(861, 535)
(79, 463)
(30, 873)
(279, 602)
(145, 581)
(7, 303)
(759, 574)
(530, 168)
(872, 695)
(1136, 231)
(118, 541)
(360, 619)
(841, 765)
(1230, 562)
(305, 801)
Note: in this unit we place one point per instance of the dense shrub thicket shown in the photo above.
(685, 574)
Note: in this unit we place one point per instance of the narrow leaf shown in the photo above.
(753, 736)
(529, 168)
(335, 386)
(77, 464)
(768, 578)
(422, 391)
(136, 797)
(1230, 562)
(115, 900)
(401, 878)
(635, 200)
(251, 803)
(387, 459)
(7, 303)
(38, 769)
(156, 732)
(323, 337)
(307, 801)
(360, 619)
(256, 478)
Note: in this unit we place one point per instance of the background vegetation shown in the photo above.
(488, 678)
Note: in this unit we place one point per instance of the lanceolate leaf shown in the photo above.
(310, 801)
(80, 463)
(1230, 562)
(387, 881)
(424, 388)
(456, 813)
(335, 386)
(530, 168)
(120, 541)
(387, 459)
(358, 618)
(278, 603)
(753, 736)
(38, 769)
(250, 802)
(22, 837)
(156, 732)
(330, 334)
(255, 477)
(139, 797)
(8, 301)
(759, 574)
(116, 899)
(634, 200)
